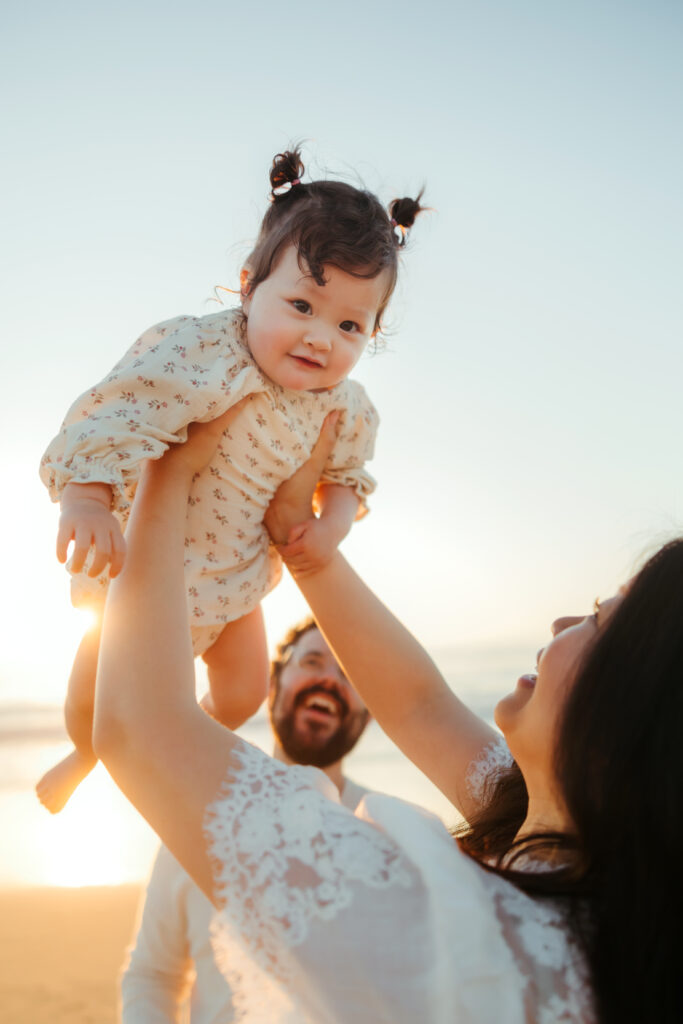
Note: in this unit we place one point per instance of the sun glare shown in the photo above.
(98, 839)
(37, 669)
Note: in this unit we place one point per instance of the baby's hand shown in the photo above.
(311, 545)
(86, 520)
(292, 504)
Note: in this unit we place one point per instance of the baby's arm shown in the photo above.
(87, 520)
(194, 371)
(314, 542)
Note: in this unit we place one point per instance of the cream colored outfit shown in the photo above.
(195, 368)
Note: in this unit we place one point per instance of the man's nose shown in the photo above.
(332, 675)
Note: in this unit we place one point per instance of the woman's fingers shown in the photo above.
(323, 447)
(292, 503)
(296, 533)
(216, 428)
(203, 439)
(300, 487)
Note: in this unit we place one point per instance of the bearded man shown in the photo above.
(317, 718)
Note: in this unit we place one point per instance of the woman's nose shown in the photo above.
(564, 623)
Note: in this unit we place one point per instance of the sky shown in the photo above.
(530, 386)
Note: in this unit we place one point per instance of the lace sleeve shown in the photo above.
(299, 878)
(492, 760)
(377, 918)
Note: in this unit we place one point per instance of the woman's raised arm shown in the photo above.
(166, 755)
(397, 679)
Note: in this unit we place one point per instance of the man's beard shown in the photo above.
(301, 750)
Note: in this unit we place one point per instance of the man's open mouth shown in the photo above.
(322, 702)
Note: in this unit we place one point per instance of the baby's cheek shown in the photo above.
(349, 358)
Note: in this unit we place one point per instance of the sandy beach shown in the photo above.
(61, 951)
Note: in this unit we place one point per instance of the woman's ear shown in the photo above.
(245, 289)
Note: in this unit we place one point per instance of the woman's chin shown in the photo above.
(507, 709)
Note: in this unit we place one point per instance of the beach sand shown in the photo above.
(61, 951)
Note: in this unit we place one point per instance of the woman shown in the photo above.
(331, 918)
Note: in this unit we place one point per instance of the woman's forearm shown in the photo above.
(396, 678)
(166, 755)
(372, 645)
(145, 636)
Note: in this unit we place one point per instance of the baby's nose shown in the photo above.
(319, 339)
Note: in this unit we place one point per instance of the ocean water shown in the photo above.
(98, 839)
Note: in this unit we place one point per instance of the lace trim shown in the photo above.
(557, 984)
(288, 858)
(492, 760)
(284, 856)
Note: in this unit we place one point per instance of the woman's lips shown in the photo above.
(528, 680)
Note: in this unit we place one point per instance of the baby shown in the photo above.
(313, 292)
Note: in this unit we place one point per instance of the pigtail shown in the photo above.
(330, 223)
(285, 173)
(402, 213)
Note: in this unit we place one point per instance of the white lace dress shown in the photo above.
(373, 917)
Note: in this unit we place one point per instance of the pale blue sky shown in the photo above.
(530, 396)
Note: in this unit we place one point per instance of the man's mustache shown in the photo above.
(328, 691)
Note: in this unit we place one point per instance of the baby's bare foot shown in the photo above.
(57, 785)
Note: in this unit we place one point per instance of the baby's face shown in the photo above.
(306, 336)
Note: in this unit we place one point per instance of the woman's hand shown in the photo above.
(292, 506)
(193, 455)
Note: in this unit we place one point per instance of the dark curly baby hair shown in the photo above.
(330, 222)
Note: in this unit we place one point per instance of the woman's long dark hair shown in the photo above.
(619, 766)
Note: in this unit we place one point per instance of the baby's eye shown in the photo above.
(301, 306)
(349, 326)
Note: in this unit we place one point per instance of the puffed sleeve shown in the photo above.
(355, 446)
(181, 371)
